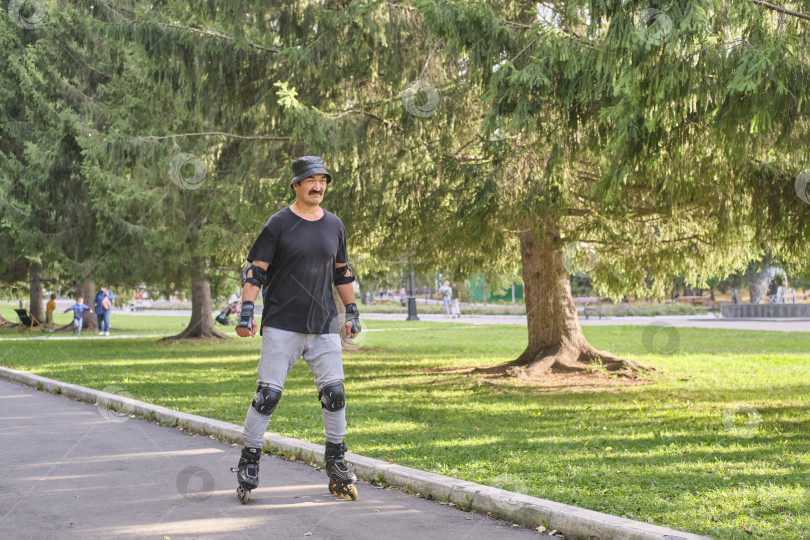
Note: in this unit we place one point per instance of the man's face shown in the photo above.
(311, 190)
(79, 300)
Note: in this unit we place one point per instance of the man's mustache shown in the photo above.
(314, 191)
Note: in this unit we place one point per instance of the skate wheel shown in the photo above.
(333, 488)
(352, 492)
(243, 494)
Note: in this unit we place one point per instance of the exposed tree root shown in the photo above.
(65, 328)
(5, 323)
(565, 358)
(195, 334)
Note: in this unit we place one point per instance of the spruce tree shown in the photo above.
(487, 135)
(47, 109)
(664, 141)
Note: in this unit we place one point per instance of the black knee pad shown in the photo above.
(266, 399)
(332, 397)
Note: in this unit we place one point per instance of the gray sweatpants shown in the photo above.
(279, 353)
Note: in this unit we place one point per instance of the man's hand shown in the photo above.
(352, 320)
(246, 327)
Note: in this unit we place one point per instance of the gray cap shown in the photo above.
(306, 166)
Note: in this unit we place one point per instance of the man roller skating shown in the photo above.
(299, 254)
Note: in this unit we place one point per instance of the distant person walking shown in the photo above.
(78, 314)
(447, 294)
(103, 305)
(455, 304)
(50, 307)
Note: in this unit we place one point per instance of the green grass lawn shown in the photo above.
(671, 452)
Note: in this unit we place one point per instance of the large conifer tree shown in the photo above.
(667, 139)
(51, 71)
(662, 142)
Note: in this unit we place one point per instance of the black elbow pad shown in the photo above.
(258, 276)
(340, 275)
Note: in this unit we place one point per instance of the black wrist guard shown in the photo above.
(353, 315)
(246, 316)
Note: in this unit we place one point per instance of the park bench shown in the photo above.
(714, 309)
(29, 322)
(703, 303)
(139, 305)
(590, 305)
(696, 300)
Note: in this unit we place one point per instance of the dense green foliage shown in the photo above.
(670, 452)
(676, 139)
(47, 213)
(164, 132)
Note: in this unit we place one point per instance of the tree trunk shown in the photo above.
(484, 290)
(87, 289)
(753, 289)
(201, 325)
(370, 297)
(35, 294)
(687, 291)
(556, 342)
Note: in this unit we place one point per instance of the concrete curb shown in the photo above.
(570, 520)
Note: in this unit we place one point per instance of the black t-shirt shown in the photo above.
(302, 256)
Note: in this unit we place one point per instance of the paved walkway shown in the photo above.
(697, 321)
(694, 321)
(72, 471)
